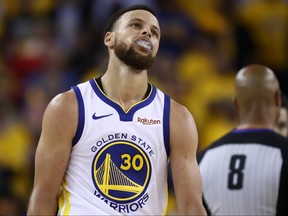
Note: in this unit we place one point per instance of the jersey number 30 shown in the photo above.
(236, 175)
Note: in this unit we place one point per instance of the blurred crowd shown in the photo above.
(46, 46)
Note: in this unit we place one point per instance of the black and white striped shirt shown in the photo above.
(246, 173)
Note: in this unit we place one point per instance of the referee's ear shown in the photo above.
(235, 102)
(278, 100)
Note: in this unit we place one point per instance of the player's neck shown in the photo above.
(256, 117)
(125, 87)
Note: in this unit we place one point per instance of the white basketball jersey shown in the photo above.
(118, 163)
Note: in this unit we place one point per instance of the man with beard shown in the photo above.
(105, 144)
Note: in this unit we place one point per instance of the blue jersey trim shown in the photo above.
(124, 116)
(166, 124)
(81, 116)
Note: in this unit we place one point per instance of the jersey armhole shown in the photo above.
(81, 116)
(166, 124)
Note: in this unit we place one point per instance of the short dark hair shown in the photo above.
(115, 17)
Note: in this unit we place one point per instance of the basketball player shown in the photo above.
(107, 142)
(282, 122)
(246, 171)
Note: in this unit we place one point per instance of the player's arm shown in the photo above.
(53, 151)
(184, 166)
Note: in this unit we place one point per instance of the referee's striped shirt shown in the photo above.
(246, 173)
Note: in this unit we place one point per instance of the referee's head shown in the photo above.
(257, 94)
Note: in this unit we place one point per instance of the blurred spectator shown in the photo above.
(164, 75)
(213, 18)
(206, 82)
(177, 29)
(68, 21)
(26, 54)
(15, 145)
(264, 25)
(56, 75)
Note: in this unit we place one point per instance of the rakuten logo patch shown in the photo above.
(146, 121)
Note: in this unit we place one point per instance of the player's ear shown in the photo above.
(109, 39)
(278, 98)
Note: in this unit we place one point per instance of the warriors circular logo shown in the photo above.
(121, 171)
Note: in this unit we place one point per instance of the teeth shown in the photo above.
(144, 44)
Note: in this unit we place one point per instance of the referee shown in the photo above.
(245, 172)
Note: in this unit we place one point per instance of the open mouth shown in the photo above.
(144, 43)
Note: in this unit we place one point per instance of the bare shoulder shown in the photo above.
(180, 115)
(62, 100)
(63, 105)
(62, 110)
(182, 124)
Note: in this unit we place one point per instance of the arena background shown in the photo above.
(48, 45)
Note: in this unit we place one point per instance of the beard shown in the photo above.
(131, 58)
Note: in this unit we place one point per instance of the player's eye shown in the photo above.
(155, 33)
(136, 25)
